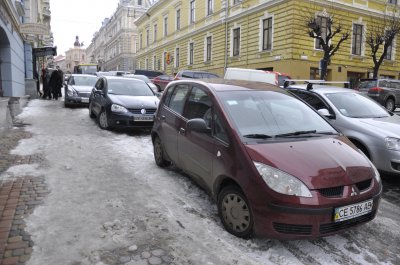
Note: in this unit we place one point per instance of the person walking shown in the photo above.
(56, 81)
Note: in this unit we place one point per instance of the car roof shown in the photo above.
(322, 89)
(220, 84)
(83, 75)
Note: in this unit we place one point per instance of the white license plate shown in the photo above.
(85, 100)
(144, 118)
(352, 211)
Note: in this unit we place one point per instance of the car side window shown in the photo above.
(187, 74)
(99, 85)
(218, 128)
(178, 97)
(311, 99)
(198, 103)
(197, 75)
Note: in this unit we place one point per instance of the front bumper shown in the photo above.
(305, 222)
(129, 120)
(76, 100)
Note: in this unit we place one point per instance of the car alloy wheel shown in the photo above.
(91, 114)
(103, 120)
(159, 156)
(390, 105)
(234, 212)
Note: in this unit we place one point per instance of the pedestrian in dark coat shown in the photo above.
(56, 81)
(46, 81)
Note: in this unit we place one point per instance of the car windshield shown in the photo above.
(368, 84)
(83, 80)
(129, 87)
(267, 114)
(355, 105)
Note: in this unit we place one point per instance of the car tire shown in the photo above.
(234, 211)
(102, 120)
(91, 114)
(389, 104)
(159, 154)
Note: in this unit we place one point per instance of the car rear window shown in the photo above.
(368, 84)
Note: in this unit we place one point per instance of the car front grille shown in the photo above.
(332, 192)
(84, 94)
(293, 229)
(333, 227)
(139, 111)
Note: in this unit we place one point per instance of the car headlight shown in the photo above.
(118, 108)
(392, 143)
(71, 92)
(282, 182)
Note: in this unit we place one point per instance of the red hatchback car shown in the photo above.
(275, 167)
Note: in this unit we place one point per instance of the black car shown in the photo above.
(77, 89)
(119, 102)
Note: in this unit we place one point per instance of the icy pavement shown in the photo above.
(110, 204)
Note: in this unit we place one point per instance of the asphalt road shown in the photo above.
(110, 204)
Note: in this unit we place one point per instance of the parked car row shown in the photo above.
(385, 91)
(280, 163)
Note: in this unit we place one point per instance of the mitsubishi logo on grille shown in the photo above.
(353, 192)
(143, 111)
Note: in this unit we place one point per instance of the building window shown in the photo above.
(178, 19)
(191, 53)
(389, 52)
(236, 41)
(192, 11)
(139, 2)
(147, 63)
(314, 73)
(155, 33)
(147, 37)
(208, 48)
(236, 1)
(267, 34)
(140, 41)
(154, 62)
(209, 7)
(158, 64)
(176, 57)
(165, 26)
(323, 23)
(357, 39)
(165, 60)
(392, 2)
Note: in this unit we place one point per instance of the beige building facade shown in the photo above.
(212, 35)
(75, 56)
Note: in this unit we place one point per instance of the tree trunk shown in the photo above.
(376, 70)
(324, 69)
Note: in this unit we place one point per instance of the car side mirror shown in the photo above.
(325, 113)
(198, 125)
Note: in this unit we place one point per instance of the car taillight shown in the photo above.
(375, 89)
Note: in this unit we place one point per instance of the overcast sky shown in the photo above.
(78, 18)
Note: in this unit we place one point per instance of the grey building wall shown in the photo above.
(12, 60)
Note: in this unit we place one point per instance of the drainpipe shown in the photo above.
(226, 35)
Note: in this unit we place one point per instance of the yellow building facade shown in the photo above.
(212, 35)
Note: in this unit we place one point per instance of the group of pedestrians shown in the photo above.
(52, 83)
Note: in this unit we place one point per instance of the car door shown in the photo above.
(395, 85)
(196, 148)
(172, 120)
(96, 96)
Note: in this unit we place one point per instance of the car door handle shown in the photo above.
(182, 131)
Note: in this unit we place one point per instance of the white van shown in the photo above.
(270, 77)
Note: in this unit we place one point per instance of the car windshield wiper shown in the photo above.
(328, 133)
(295, 133)
(257, 136)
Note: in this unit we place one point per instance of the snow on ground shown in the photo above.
(107, 193)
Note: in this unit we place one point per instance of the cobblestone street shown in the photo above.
(18, 197)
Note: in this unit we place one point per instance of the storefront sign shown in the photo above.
(44, 51)
(34, 28)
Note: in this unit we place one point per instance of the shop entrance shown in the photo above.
(5, 62)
